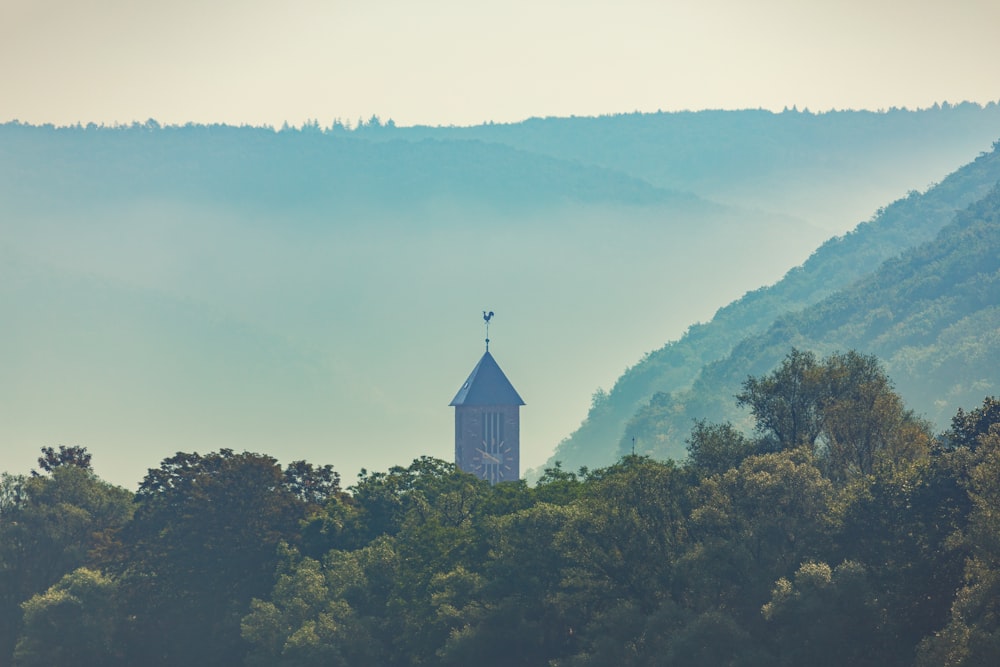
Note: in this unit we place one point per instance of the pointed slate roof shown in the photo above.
(487, 385)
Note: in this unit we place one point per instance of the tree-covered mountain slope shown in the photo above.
(931, 314)
(835, 265)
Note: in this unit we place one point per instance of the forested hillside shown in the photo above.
(843, 532)
(652, 403)
(933, 315)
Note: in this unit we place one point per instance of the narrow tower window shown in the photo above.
(492, 428)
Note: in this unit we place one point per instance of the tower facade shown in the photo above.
(487, 424)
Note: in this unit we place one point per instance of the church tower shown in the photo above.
(487, 421)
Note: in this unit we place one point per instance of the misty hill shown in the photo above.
(214, 286)
(302, 170)
(817, 167)
(932, 315)
(237, 287)
(651, 401)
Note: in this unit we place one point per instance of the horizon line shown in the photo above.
(339, 124)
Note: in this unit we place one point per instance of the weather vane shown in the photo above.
(486, 318)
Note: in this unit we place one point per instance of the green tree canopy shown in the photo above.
(204, 542)
(844, 408)
(49, 526)
(75, 623)
(74, 456)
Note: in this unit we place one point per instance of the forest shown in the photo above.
(840, 530)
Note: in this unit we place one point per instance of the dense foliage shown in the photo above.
(840, 532)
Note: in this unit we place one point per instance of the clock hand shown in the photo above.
(488, 455)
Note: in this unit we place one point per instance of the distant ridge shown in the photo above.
(808, 165)
(304, 171)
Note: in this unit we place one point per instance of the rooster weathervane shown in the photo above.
(486, 318)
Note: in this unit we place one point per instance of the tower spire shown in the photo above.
(487, 421)
(486, 318)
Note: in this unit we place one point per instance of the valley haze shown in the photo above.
(315, 293)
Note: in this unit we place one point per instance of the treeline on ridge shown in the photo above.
(741, 158)
(841, 531)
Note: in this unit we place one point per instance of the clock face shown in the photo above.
(494, 461)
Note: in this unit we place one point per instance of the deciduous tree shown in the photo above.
(202, 544)
(49, 526)
(75, 623)
(66, 456)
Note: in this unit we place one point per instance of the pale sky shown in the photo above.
(462, 62)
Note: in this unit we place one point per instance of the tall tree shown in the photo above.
(844, 408)
(863, 422)
(49, 526)
(786, 403)
(66, 456)
(202, 544)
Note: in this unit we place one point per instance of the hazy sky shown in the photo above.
(462, 62)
